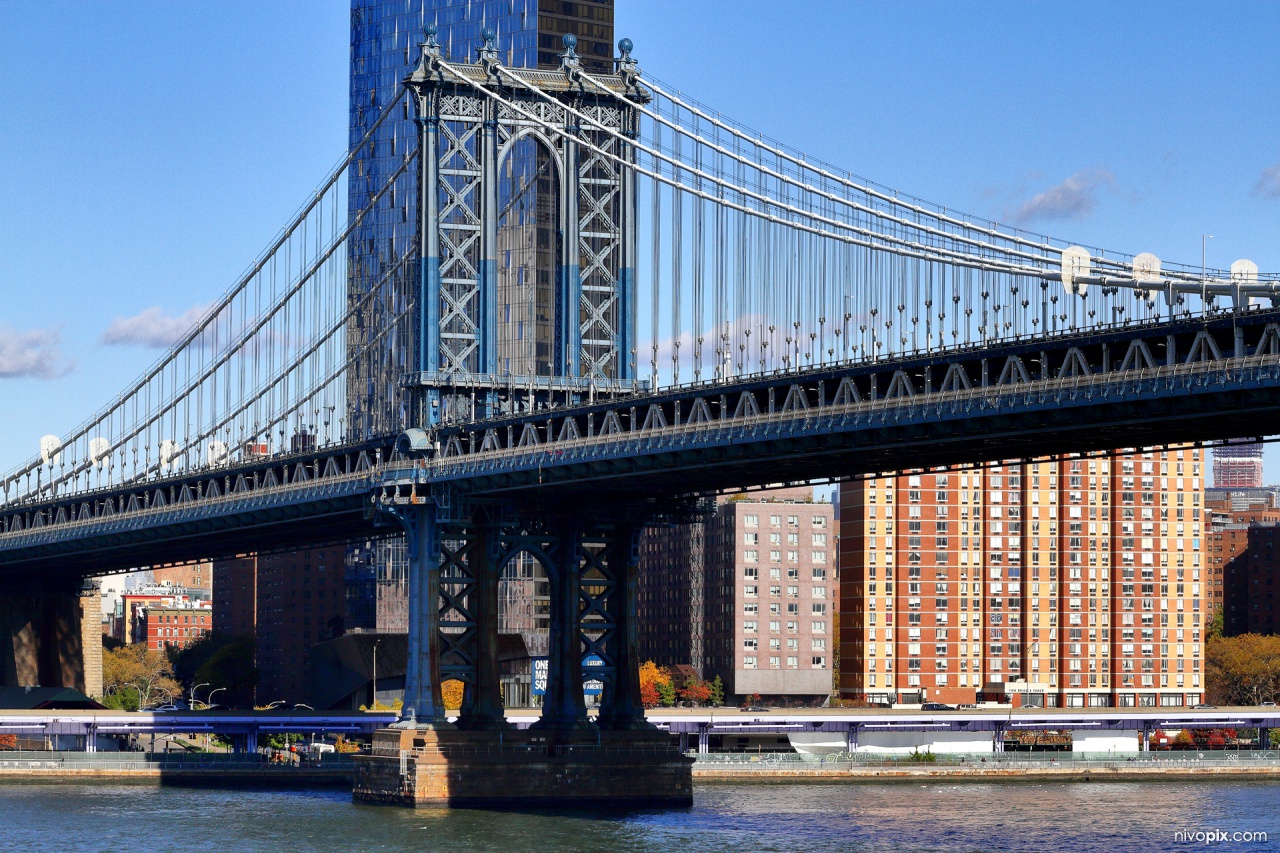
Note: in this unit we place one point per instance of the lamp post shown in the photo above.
(209, 700)
(374, 703)
(1204, 284)
(191, 699)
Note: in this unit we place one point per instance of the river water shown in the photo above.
(1116, 817)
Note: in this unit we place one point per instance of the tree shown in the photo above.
(651, 675)
(717, 692)
(1183, 740)
(696, 691)
(231, 669)
(666, 693)
(1213, 630)
(146, 672)
(1243, 670)
(451, 692)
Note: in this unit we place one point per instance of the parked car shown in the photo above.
(1266, 704)
(1203, 706)
(755, 708)
(171, 706)
(937, 706)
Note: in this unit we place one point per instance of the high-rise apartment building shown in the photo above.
(384, 49)
(753, 591)
(235, 596)
(1228, 540)
(300, 602)
(1237, 464)
(1251, 582)
(1064, 582)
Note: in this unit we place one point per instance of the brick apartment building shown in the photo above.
(749, 597)
(290, 602)
(174, 625)
(1233, 515)
(1064, 582)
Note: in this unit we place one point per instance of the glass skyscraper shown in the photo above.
(385, 35)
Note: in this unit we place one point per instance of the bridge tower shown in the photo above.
(501, 335)
(516, 312)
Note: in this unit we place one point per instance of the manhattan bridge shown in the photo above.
(717, 311)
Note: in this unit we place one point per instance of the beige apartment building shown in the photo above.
(749, 597)
(1062, 582)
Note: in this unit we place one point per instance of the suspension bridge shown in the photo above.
(689, 307)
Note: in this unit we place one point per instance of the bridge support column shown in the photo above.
(563, 705)
(1264, 738)
(40, 636)
(482, 708)
(621, 706)
(423, 706)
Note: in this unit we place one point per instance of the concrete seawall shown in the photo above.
(804, 771)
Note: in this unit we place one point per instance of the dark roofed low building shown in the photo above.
(46, 699)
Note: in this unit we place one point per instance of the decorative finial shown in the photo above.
(430, 49)
(627, 68)
(569, 59)
(488, 50)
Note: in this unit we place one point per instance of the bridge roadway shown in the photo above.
(696, 722)
(1130, 385)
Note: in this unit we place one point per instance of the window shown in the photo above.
(775, 662)
(793, 521)
(819, 556)
(793, 627)
(775, 521)
(821, 663)
(793, 556)
(793, 662)
(819, 521)
(819, 610)
(750, 609)
(819, 574)
(793, 592)
(751, 573)
(749, 626)
(751, 520)
(819, 540)
(750, 643)
(749, 661)
(751, 556)
(818, 627)
(775, 591)
(775, 625)
(819, 592)
(819, 644)
(751, 538)
(751, 591)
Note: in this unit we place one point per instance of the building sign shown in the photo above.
(590, 686)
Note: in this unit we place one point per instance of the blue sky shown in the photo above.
(148, 152)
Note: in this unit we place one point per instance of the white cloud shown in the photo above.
(1268, 183)
(152, 328)
(1074, 198)
(34, 354)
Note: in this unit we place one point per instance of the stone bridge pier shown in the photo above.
(567, 756)
(43, 635)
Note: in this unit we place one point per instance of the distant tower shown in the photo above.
(1237, 464)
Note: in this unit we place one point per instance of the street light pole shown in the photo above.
(374, 703)
(1204, 283)
(191, 700)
